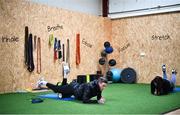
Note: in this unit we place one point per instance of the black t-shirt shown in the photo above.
(86, 91)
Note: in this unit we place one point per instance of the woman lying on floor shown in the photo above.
(162, 86)
(82, 92)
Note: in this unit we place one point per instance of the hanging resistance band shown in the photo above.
(30, 54)
(63, 60)
(35, 42)
(39, 55)
(51, 39)
(26, 45)
(68, 54)
(55, 49)
(59, 50)
(63, 53)
(78, 58)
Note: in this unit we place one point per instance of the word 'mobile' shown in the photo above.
(9, 39)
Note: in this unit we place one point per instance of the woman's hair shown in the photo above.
(158, 83)
(102, 80)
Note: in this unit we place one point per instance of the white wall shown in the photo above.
(93, 7)
(125, 8)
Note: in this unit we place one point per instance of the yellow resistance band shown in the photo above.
(51, 39)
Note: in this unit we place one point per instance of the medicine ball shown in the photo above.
(116, 74)
(106, 44)
(102, 61)
(109, 50)
(112, 62)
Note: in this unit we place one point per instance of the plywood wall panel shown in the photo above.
(17, 14)
(137, 32)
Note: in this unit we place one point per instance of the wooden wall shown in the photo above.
(145, 43)
(16, 14)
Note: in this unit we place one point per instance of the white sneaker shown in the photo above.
(72, 96)
(41, 82)
(59, 95)
(163, 67)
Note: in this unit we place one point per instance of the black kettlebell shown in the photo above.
(107, 44)
(112, 62)
(102, 61)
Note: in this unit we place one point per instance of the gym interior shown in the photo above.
(128, 42)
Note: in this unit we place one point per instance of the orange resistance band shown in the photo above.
(78, 58)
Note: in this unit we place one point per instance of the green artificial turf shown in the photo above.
(120, 98)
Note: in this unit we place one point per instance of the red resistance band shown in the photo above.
(55, 50)
(78, 58)
(55, 55)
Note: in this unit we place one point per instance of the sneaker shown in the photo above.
(174, 71)
(72, 96)
(163, 67)
(40, 82)
(59, 95)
